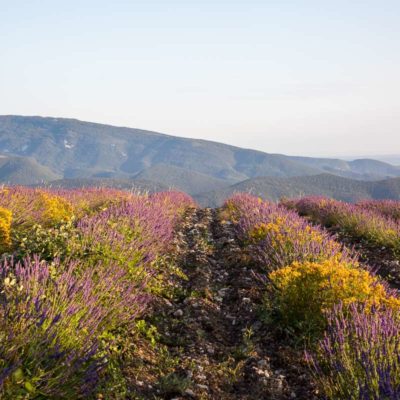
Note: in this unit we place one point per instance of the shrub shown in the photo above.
(5, 229)
(319, 209)
(132, 234)
(112, 225)
(35, 207)
(51, 322)
(358, 358)
(275, 237)
(54, 209)
(304, 292)
(285, 240)
(63, 319)
(47, 243)
(92, 200)
(366, 224)
(388, 208)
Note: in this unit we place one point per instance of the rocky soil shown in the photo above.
(215, 329)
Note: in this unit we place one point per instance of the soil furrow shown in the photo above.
(213, 327)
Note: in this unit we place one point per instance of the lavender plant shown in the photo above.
(388, 208)
(367, 224)
(60, 318)
(51, 321)
(275, 237)
(133, 234)
(359, 356)
(34, 206)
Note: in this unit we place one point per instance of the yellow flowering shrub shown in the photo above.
(305, 291)
(54, 209)
(281, 231)
(31, 207)
(291, 241)
(5, 229)
(261, 231)
(90, 201)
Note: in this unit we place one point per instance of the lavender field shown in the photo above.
(108, 294)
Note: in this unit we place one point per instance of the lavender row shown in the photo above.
(276, 237)
(388, 208)
(58, 317)
(364, 223)
(316, 290)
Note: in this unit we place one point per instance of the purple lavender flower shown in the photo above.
(359, 356)
(274, 236)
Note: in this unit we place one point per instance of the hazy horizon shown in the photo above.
(303, 78)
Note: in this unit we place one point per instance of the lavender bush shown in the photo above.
(362, 223)
(133, 234)
(51, 320)
(359, 357)
(275, 237)
(60, 318)
(388, 208)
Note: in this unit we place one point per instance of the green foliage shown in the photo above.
(5, 228)
(173, 384)
(358, 357)
(73, 290)
(247, 346)
(304, 292)
(48, 243)
(148, 331)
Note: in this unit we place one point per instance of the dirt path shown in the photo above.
(214, 326)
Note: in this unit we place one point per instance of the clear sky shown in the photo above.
(295, 77)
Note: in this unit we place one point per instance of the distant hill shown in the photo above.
(393, 159)
(191, 182)
(328, 185)
(361, 169)
(24, 171)
(68, 148)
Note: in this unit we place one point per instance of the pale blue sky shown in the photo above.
(295, 77)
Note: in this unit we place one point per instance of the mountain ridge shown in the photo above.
(67, 148)
(336, 187)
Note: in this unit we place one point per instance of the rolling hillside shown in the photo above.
(323, 185)
(67, 148)
(24, 171)
(178, 178)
